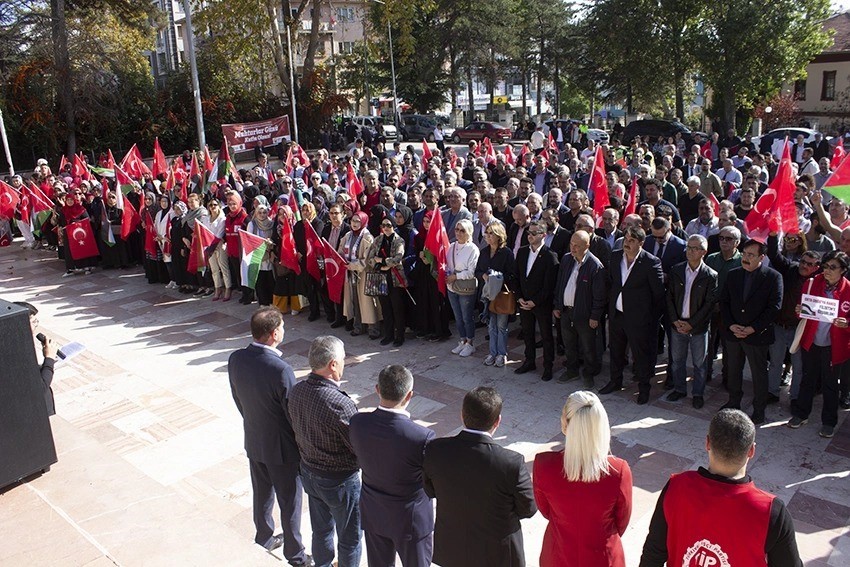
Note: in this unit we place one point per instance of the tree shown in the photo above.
(746, 49)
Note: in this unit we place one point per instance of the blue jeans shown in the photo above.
(463, 307)
(781, 344)
(498, 334)
(334, 502)
(679, 346)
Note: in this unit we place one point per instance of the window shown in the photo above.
(800, 89)
(161, 63)
(345, 14)
(828, 89)
(345, 47)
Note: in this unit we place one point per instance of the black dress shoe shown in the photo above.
(643, 398)
(398, 342)
(306, 562)
(772, 399)
(730, 405)
(547, 374)
(675, 396)
(668, 384)
(698, 402)
(610, 387)
(525, 367)
(275, 543)
(844, 401)
(538, 344)
(313, 317)
(337, 324)
(386, 340)
(757, 417)
(559, 349)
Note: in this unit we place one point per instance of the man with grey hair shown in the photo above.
(721, 262)
(535, 206)
(691, 295)
(397, 514)
(320, 414)
(456, 211)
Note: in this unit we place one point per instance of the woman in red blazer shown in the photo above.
(585, 493)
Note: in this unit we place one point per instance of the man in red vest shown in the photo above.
(716, 517)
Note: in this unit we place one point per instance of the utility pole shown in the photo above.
(193, 67)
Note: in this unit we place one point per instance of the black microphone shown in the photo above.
(41, 338)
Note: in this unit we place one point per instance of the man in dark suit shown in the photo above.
(580, 299)
(518, 230)
(691, 296)
(260, 381)
(537, 268)
(609, 229)
(557, 238)
(395, 512)
(598, 245)
(664, 245)
(482, 490)
(749, 305)
(635, 302)
(333, 232)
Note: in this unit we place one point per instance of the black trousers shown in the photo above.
(284, 482)
(579, 344)
(393, 309)
(817, 365)
(265, 287)
(235, 272)
(542, 317)
(381, 550)
(715, 342)
(756, 355)
(643, 343)
(329, 306)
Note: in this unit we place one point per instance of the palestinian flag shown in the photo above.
(253, 251)
(202, 247)
(838, 184)
(225, 166)
(40, 207)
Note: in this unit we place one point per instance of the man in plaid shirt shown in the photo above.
(320, 414)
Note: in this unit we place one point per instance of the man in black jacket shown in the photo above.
(537, 268)
(482, 489)
(261, 381)
(691, 295)
(581, 295)
(749, 304)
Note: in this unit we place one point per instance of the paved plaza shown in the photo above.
(152, 469)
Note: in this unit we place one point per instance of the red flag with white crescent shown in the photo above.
(80, 239)
(631, 204)
(288, 255)
(9, 200)
(598, 185)
(314, 248)
(335, 267)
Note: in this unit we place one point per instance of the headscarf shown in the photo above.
(74, 211)
(193, 215)
(153, 207)
(262, 201)
(238, 197)
(419, 239)
(162, 213)
(406, 228)
(351, 206)
(319, 203)
(181, 207)
(377, 214)
(364, 221)
(263, 225)
(312, 211)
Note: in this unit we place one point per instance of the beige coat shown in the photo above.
(370, 309)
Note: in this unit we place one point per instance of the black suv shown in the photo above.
(654, 129)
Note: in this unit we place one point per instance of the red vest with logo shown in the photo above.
(715, 524)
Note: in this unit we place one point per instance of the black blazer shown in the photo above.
(643, 292)
(591, 287)
(260, 383)
(674, 251)
(560, 244)
(600, 248)
(326, 232)
(513, 230)
(539, 284)
(703, 296)
(482, 492)
(390, 449)
(759, 309)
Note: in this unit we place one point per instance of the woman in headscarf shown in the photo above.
(179, 252)
(349, 206)
(219, 269)
(385, 257)
(433, 323)
(310, 286)
(403, 218)
(162, 222)
(115, 251)
(72, 211)
(154, 268)
(200, 284)
(286, 285)
(377, 214)
(359, 309)
(320, 204)
(261, 225)
(235, 220)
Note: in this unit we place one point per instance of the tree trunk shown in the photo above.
(453, 80)
(728, 107)
(629, 105)
(64, 85)
(679, 80)
(557, 88)
(312, 47)
(470, 92)
(278, 53)
(540, 78)
(524, 93)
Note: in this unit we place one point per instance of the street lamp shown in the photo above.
(392, 67)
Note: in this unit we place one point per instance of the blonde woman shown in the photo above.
(584, 492)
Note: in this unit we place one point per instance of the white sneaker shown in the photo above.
(294, 312)
(459, 347)
(68, 274)
(171, 285)
(490, 360)
(467, 350)
(501, 360)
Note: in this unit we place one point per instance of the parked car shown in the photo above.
(654, 129)
(765, 143)
(421, 126)
(371, 122)
(597, 135)
(480, 130)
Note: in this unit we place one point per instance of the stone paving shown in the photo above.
(151, 467)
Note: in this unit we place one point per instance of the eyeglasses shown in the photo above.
(536, 232)
(809, 264)
(834, 267)
(727, 238)
(386, 225)
(287, 182)
(695, 248)
(459, 229)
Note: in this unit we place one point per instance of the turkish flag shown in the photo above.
(598, 184)
(509, 155)
(159, 165)
(202, 247)
(426, 153)
(150, 234)
(314, 248)
(775, 210)
(352, 183)
(334, 271)
(714, 203)
(9, 200)
(437, 244)
(705, 150)
(837, 155)
(631, 204)
(288, 256)
(80, 239)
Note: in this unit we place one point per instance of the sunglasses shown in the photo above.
(831, 267)
(386, 225)
(727, 238)
(536, 232)
(459, 229)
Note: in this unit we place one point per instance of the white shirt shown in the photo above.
(276, 352)
(690, 278)
(438, 135)
(518, 242)
(537, 139)
(732, 176)
(532, 257)
(706, 230)
(570, 290)
(477, 432)
(625, 270)
(810, 166)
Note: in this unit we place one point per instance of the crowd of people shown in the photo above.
(371, 476)
(665, 265)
